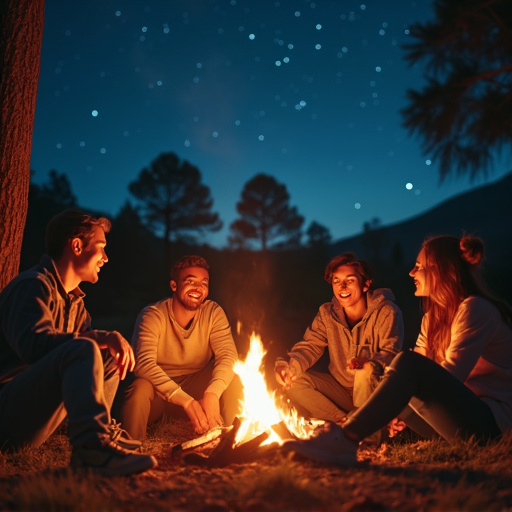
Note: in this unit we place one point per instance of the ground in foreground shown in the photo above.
(406, 475)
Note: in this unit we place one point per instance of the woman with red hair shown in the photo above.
(458, 377)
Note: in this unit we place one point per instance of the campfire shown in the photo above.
(263, 423)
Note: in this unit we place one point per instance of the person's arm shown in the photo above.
(305, 353)
(473, 326)
(391, 337)
(117, 345)
(149, 331)
(421, 342)
(28, 321)
(226, 355)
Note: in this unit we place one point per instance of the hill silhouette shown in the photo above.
(484, 212)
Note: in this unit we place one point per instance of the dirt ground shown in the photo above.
(419, 476)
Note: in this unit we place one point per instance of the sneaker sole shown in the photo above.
(340, 459)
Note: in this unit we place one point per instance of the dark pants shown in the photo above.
(74, 379)
(433, 393)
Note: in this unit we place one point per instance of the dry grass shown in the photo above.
(408, 476)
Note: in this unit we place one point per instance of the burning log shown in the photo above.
(212, 434)
(227, 441)
(226, 452)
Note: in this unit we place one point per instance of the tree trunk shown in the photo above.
(21, 34)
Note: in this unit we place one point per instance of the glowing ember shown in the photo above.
(259, 410)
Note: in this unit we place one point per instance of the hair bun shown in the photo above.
(472, 249)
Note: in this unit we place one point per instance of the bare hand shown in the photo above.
(197, 416)
(285, 374)
(357, 363)
(211, 407)
(395, 426)
(118, 347)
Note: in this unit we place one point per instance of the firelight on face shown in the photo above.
(419, 274)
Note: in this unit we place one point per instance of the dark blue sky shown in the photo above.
(308, 92)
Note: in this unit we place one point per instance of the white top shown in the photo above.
(480, 355)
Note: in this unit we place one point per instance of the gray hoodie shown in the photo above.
(377, 337)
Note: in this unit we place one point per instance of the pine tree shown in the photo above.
(464, 113)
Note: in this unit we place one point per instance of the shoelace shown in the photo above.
(116, 431)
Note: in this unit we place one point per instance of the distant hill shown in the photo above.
(485, 211)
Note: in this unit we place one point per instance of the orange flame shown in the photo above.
(259, 410)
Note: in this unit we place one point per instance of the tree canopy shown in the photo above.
(173, 201)
(464, 113)
(44, 201)
(266, 216)
(318, 235)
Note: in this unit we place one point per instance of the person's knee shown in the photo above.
(231, 400)
(406, 359)
(140, 388)
(84, 350)
(302, 382)
(364, 386)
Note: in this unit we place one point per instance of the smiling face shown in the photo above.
(349, 287)
(90, 256)
(192, 287)
(420, 275)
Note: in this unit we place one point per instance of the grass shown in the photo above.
(407, 474)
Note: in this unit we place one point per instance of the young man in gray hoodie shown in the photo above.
(362, 329)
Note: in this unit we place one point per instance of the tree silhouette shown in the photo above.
(464, 113)
(56, 194)
(318, 235)
(173, 201)
(374, 238)
(266, 216)
(21, 33)
(128, 286)
(44, 201)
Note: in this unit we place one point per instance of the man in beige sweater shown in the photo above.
(185, 355)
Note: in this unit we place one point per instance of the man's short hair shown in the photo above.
(348, 258)
(188, 261)
(71, 224)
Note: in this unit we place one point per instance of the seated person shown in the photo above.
(458, 378)
(53, 365)
(185, 355)
(361, 328)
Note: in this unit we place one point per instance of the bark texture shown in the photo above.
(21, 33)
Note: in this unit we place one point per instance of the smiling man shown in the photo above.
(185, 356)
(53, 365)
(362, 329)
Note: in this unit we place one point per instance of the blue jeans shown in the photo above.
(75, 379)
(433, 393)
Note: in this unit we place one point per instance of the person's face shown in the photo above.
(191, 289)
(90, 256)
(348, 286)
(419, 274)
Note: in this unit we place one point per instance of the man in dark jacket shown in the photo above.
(53, 364)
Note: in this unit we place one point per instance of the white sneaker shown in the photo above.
(327, 444)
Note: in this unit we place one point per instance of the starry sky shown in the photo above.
(306, 91)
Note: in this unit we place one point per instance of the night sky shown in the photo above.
(308, 92)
